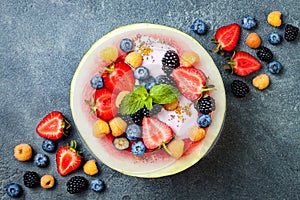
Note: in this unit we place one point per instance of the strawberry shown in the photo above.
(190, 81)
(155, 133)
(103, 104)
(118, 77)
(227, 37)
(53, 126)
(243, 63)
(67, 159)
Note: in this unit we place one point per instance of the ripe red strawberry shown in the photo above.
(67, 159)
(53, 126)
(243, 63)
(227, 37)
(190, 81)
(156, 133)
(118, 77)
(103, 104)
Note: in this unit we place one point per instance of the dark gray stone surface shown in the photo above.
(42, 42)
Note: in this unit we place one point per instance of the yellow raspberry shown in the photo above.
(90, 167)
(118, 126)
(188, 59)
(47, 181)
(253, 40)
(23, 152)
(274, 18)
(134, 59)
(261, 81)
(109, 54)
(171, 106)
(196, 133)
(100, 128)
(176, 148)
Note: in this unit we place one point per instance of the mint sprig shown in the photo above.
(136, 100)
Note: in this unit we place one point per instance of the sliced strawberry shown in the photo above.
(105, 107)
(190, 81)
(67, 159)
(52, 126)
(243, 63)
(119, 77)
(227, 37)
(155, 133)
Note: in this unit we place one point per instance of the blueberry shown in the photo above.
(126, 45)
(97, 185)
(41, 160)
(148, 83)
(97, 82)
(248, 22)
(138, 148)
(274, 38)
(14, 190)
(49, 145)
(141, 73)
(274, 67)
(204, 120)
(199, 27)
(133, 132)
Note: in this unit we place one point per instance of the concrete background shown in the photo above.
(42, 42)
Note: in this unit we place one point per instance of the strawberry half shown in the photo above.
(227, 37)
(53, 126)
(155, 133)
(243, 63)
(67, 159)
(190, 81)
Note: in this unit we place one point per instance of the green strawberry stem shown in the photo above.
(166, 148)
(72, 147)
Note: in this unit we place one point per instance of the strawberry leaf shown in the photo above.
(163, 93)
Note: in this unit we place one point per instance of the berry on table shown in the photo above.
(77, 184)
(261, 81)
(239, 88)
(248, 22)
(121, 143)
(134, 59)
(97, 185)
(274, 67)
(133, 132)
(126, 45)
(117, 126)
(189, 59)
(90, 167)
(41, 160)
(290, 32)
(31, 179)
(205, 104)
(23, 152)
(171, 59)
(274, 18)
(274, 38)
(49, 145)
(196, 133)
(141, 73)
(199, 27)
(138, 148)
(97, 82)
(14, 190)
(109, 54)
(204, 120)
(47, 181)
(253, 40)
(264, 54)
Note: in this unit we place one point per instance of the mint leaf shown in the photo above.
(131, 103)
(148, 103)
(163, 93)
(141, 91)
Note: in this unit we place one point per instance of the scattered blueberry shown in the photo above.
(148, 83)
(274, 38)
(141, 73)
(199, 27)
(97, 185)
(138, 148)
(248, 22)
(274, 67)
(97, 82)
(14, 190)
(49, 145)
(41, 160)
(126, 45)
(204, 120)
(133, 132)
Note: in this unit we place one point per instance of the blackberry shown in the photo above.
(126, 118)
(167, 70)
(171, 59)
(137, 117)
(77, 184)
(156, 108)
(239, 88)
(264, 54)
(291, 32)
(205, 105)
(164, 79)
(31, 179)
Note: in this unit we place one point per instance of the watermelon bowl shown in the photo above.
(151, 41)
